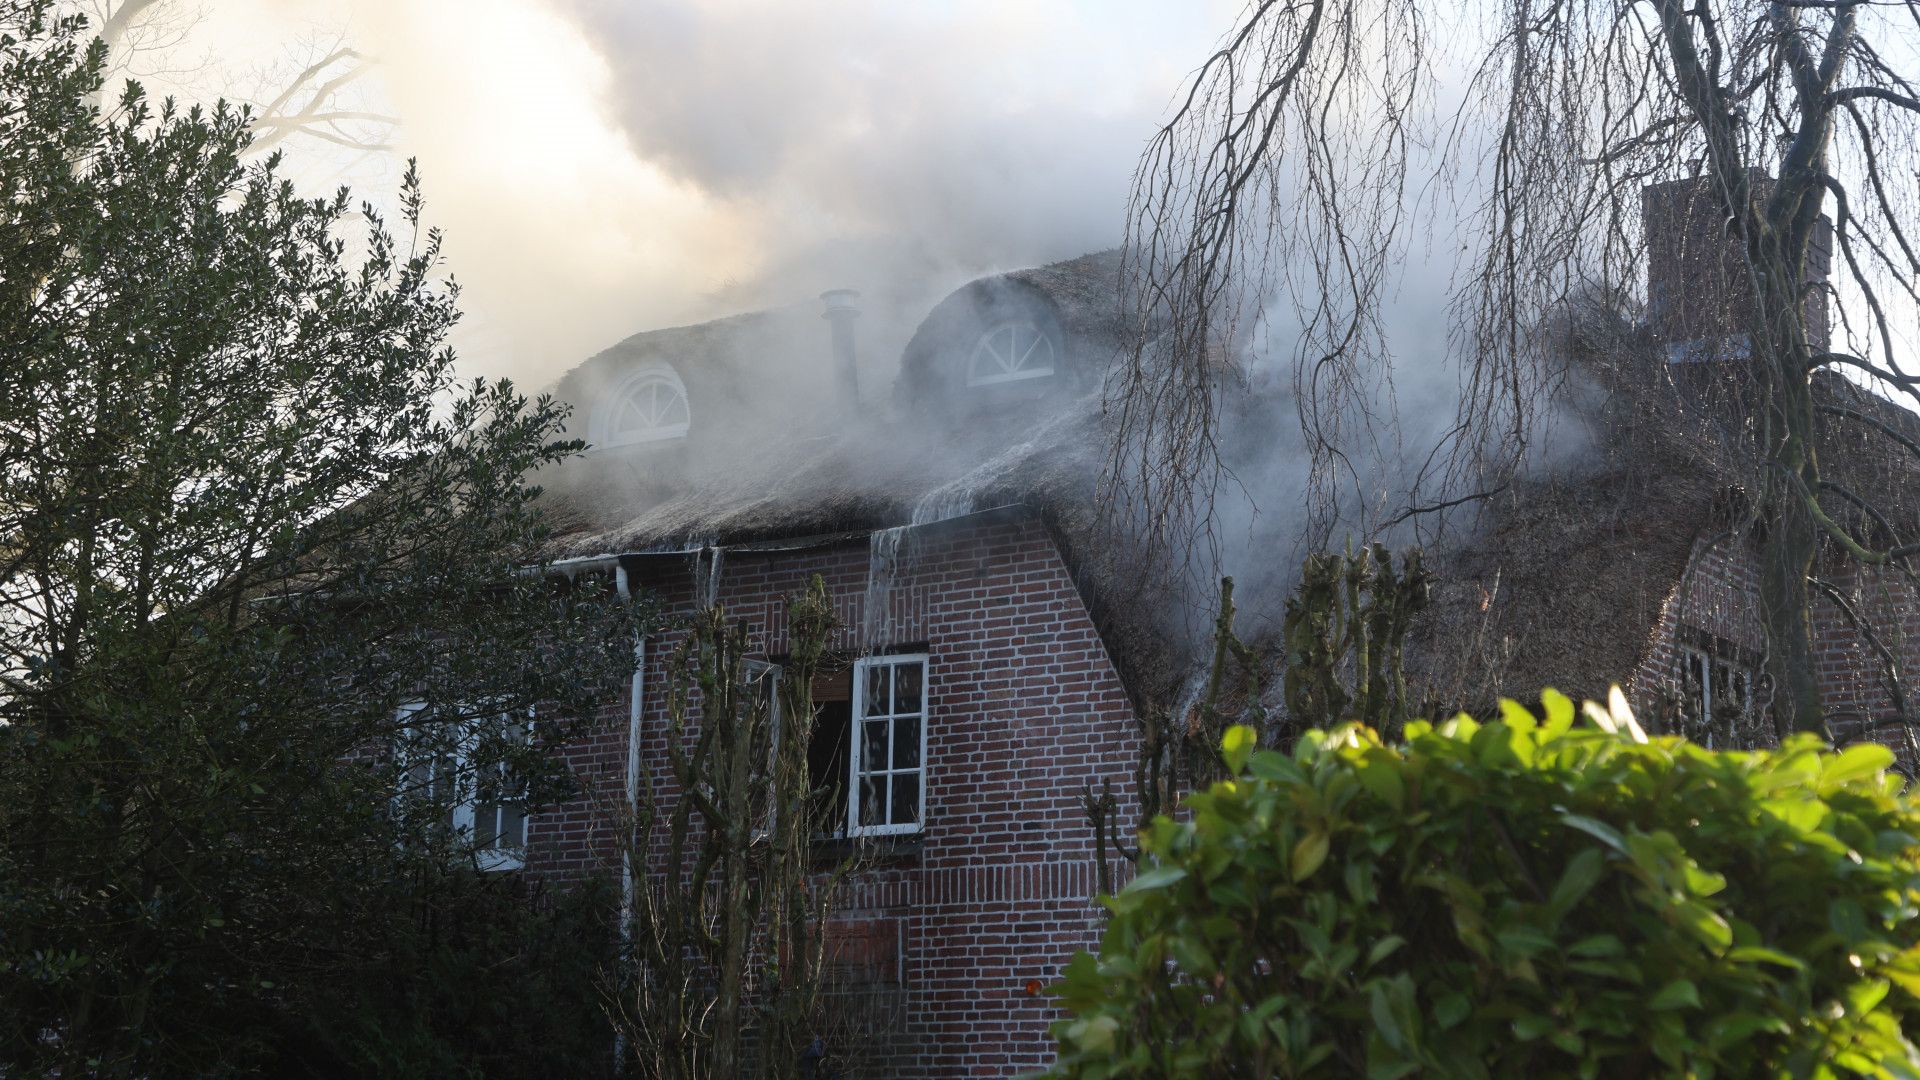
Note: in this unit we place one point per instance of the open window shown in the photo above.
(868, 776)
(830, 748)
(887, 790)
(483, 807)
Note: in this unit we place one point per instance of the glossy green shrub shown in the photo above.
(1519, 898)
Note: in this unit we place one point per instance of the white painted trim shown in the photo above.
(856, 749)
(461, 814)
(600, 431)
(982, 375)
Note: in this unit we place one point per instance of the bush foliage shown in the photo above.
(1515, 898)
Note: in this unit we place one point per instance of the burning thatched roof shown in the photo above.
(935, 448)
(803, 461)
(1559, 582)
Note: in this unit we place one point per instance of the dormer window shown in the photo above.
(649, 405)
(1010, 351)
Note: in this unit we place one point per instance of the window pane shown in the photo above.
(906, 686)
(513, 826)
(873, 750)
(906, 799)
(486, 824)
(876, 702)
(873, 800)
(906, 743)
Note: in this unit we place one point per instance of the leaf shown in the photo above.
(1094, 1035)
(1863, 997)
(1559, 713)
(1853, 763)
(1678, 994)
(1848, 920)
(1158, 877)
(1516, 716)
(1308, 854)
(1384, 948)
(1531, 1026)
(1277, 768)
(1622, 715)
(1451, 1009)
(1382, 780)
(1237, 745)
(1583, 872)
(1597, 829)
(1705, 922)
(1757, 954)
(1523, 940)
(1599, 945)
(1390, 1003)
(1600, 717)
(1383, 1019)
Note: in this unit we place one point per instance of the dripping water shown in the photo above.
(885, 550)
(944, 503)
(707, 567)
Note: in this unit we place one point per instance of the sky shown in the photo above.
(603, 167)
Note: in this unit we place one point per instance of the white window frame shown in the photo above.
(603, 433)
(1710, 666)
(857, 754)
(461, 815)
(982, 375)
(1697, 665)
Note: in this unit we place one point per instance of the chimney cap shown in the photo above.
(840, 302)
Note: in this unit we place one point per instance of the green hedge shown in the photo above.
(1515, 898)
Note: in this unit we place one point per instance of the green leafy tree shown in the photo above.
(1517, 898)
(247, 515)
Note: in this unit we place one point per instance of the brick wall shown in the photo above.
(1024, 708)
(1851, 673)
(1720, 598)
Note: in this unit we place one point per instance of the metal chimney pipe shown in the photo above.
(842, 308)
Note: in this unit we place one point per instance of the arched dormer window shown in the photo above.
(1010, 351)
(649, 405)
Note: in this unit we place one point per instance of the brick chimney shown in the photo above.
(1699, 298)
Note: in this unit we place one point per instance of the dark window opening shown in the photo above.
(827, 769)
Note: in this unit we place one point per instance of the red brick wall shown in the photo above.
(1719, 594)
(1024, 709)
(1851, 673)
(1721, 597)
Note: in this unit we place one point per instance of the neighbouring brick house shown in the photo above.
(943, 488)
(1640, 563)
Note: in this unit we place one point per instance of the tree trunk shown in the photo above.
(1792, 536)
(1786, 561)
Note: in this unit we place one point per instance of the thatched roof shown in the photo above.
(1563, 579)
(810, 462)
(919, 453)
(1558, 582)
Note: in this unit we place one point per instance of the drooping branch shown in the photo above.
(1266, 204)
